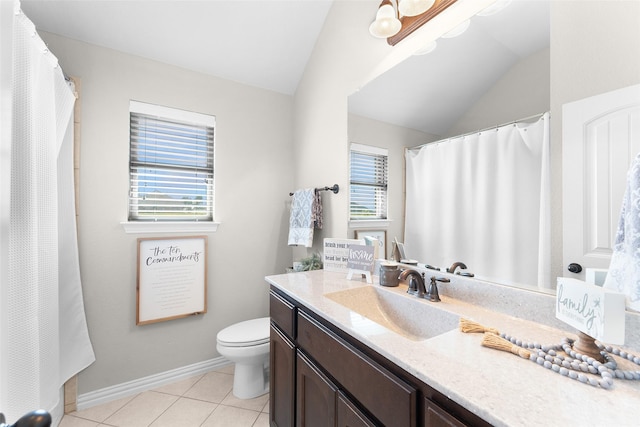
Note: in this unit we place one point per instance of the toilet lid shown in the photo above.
(249, 332)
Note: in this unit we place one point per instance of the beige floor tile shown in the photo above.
(228, 369)
(142, 410)
(180, 387)
(226, 416)
(71, 421)
(262, 421)
(266, 406)
(100, 413)
(185, 413)
(255, 404)
(213, 387)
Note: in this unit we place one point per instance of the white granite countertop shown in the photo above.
(500, 387)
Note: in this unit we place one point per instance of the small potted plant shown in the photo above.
(314, 262)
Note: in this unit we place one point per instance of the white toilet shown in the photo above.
(247, 345)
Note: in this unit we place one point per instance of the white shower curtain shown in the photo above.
(483, 199)
(43, 328)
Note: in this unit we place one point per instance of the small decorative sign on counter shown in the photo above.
(172, 277)
(336, 253)
(591, 309)
(361, 261)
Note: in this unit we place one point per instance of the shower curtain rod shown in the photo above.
(534, 116)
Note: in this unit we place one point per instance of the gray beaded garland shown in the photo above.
(576, 365)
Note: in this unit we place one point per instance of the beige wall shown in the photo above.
(253, 143)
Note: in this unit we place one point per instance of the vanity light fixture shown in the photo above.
(387, 23)
(396, 19)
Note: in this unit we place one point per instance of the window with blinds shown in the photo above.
(170, 164)
(368, 182)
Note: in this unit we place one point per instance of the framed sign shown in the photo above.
(336, 253)
(172, 277)
(380, 235)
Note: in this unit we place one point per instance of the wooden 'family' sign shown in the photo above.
(172, 277)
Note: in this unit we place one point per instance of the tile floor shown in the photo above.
(201, 401)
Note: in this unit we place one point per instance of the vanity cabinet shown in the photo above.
(321, 376)
(282, 363)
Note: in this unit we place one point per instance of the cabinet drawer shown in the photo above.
(388, 398)
(283, 314)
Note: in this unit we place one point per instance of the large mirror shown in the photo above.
(496, 72)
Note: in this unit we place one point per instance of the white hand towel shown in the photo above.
(301, 220)
(624, 270)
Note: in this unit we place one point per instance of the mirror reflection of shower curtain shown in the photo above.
(483, 199)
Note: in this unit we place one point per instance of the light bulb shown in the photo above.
(414, 7)
(386, 23)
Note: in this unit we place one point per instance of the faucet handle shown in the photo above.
(432, 293)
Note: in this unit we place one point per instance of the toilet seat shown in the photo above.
(245, 334)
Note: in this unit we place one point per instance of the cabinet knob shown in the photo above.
(574, 268)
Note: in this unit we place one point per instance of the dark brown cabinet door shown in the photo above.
(349, 415)
(435, 416)
(282, 377)
(316, 396)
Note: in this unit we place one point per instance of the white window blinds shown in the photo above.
(171, 164)
(368, 182)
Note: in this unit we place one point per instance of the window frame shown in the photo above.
(372, 151)
(134, 223)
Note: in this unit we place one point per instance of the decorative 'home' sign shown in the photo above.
(591, 309)
(361, 261)
(172, 277)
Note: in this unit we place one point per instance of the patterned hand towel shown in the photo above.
(624, 270)
(306, 213)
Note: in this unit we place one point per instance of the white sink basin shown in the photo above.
(374, 307)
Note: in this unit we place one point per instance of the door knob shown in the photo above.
(574, 268)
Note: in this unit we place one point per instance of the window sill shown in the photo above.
(369, 223)
(140, 227)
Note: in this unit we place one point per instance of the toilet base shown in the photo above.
(250, 380)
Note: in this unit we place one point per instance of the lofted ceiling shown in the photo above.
(262, 43)
(212, 37)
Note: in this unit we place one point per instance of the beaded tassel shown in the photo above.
(574, 365)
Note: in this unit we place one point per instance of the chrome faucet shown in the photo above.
(455, 265)
(416, 282)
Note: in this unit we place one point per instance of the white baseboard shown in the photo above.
(118, 391)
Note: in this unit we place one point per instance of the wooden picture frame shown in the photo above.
(171, 278)
(381, 235)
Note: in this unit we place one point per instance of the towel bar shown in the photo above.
(335, 188)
